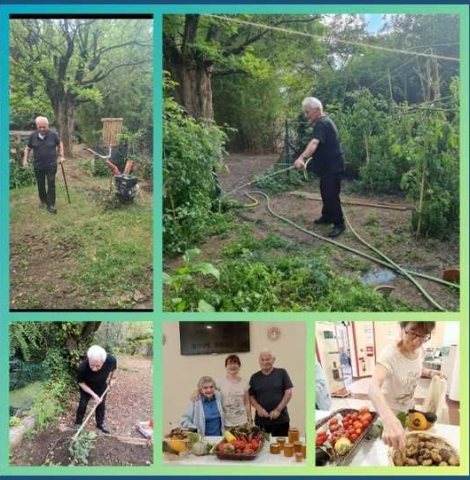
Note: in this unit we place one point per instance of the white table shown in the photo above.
(373, 453)
(264, 458)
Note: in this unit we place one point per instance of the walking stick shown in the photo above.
(90, 414)
(65, 181)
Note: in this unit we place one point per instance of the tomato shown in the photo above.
(334, 428)
(355, 415)
(364, 410)
(248, 450)
(354, 437)
(333, 421)
(358, 431)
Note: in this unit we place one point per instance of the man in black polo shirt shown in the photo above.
(46, 147)
(327, 162)
(93, 376)
(270, 392)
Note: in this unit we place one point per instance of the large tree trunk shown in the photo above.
(64, 114)
(194, 89)
(191, 71)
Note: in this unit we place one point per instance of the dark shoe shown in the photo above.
(104, 429)
(52, 209)
(337, 231)
(321, 221)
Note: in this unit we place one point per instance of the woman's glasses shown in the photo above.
(414, 336)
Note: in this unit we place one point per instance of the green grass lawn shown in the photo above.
(92, 256)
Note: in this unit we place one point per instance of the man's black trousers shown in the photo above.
(276, 430)
(43, 174)
(330, 189)
(99, 412)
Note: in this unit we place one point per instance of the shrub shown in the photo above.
(192, 153)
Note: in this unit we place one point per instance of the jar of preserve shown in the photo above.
(275, 448)
(281, 441)
(299, 457)
(294, 435)
(298, 447)
(304, 450)
(288, 450)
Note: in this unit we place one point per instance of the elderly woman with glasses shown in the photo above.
(395, 378)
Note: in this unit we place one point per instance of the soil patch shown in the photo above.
(128, 402)
(388, 230)
(51, 447)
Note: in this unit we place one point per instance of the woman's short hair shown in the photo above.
(205, 380)
(233, 359)
(424, 328)
(312, 102)
(95, 352)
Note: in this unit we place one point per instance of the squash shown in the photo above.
(417, 421)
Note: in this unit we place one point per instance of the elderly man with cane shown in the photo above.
(47, 150)
(95, 375)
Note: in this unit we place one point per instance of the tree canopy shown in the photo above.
(60, 65)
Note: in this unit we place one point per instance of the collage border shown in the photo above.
(158, 316)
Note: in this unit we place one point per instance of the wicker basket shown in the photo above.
(238, 456)
(112, 127)
(345, 459)
(444, 443)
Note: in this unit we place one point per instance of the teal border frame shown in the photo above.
(158, 316)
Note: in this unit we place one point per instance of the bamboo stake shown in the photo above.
(90, 414)
(421, 200)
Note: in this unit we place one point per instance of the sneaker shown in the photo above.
(337, 231)
(321, 221)
(103, 428)
(52, 209)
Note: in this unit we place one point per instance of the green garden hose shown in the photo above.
(388, 263)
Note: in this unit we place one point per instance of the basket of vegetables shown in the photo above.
(425, 449)
(243, 443)
(178, 443)
(339, 434)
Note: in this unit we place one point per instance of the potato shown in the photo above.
(411, 462)
(453, 460)
(445, 454)
(443, 464)
(398, 459)
(436, 458)
(427, 462)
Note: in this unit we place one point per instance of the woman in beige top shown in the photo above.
(234, 390)
(396, 375)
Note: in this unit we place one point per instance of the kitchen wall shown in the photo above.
(181, 372)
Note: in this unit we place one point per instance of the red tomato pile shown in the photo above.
(240, 445)
(349, 426)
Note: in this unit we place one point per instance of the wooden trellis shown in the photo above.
(112, 127)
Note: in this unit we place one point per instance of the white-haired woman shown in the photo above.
(205, 413)
(93, 376)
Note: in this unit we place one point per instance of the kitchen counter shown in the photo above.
(375, 453)
(264, 458)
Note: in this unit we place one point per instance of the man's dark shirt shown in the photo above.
(268, 390)
(96, 380)
(45, 150)
(328, 157)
